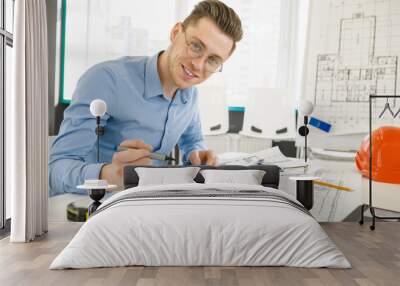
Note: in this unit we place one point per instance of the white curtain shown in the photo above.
(26, 117)
(292, 40)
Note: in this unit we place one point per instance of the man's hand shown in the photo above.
(204, 157)
(138, 155)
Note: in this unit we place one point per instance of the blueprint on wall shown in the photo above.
(353, 51)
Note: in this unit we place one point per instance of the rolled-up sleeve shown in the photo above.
(77, 138)
(192, 138)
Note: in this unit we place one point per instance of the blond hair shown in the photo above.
(222, 15)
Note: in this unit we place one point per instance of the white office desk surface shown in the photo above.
(58, 205)
(304, 178)
(384, 196)
(329, 204)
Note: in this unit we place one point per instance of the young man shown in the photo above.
(151, 103)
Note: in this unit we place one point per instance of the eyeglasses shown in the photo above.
(195, 49)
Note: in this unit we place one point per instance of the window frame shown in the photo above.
(6, 39)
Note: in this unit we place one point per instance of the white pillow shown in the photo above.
(248, 177)
(165, 176)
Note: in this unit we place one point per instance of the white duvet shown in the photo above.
(183, 231)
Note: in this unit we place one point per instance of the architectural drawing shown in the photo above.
(353, 52)
(355, 72)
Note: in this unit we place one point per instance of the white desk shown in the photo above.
(330, 204)
(384, 196)
(58, 205)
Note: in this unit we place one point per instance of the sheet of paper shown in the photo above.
(271, 156)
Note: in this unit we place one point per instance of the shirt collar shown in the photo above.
(153, 85)
(182, 94)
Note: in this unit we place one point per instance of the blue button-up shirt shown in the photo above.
(136, 109)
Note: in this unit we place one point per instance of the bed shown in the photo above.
(201, 224)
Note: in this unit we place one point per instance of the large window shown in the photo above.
(6, 43)
(268, 60)
(95, 31)
(255, 62)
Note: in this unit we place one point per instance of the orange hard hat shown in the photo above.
(385, 155)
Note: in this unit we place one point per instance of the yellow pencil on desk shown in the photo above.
(325, 184)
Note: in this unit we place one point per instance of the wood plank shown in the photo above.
(374, 255)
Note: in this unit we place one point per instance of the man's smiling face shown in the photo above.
(195, 51)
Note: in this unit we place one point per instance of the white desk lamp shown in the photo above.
(97, 188)
(305, 108)
(98, 108)
(304, 185)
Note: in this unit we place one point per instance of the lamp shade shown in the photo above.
(306, 107)
(98, 107)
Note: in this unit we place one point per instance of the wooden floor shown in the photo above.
(375, 256)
